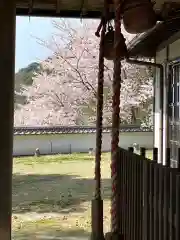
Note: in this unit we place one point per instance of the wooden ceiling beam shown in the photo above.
(58, 6)
(55, 13)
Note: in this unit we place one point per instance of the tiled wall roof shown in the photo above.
(71, 130)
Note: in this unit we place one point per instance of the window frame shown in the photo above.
(174, 110)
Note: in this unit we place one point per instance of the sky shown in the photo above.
(27, 47)
(28, 29)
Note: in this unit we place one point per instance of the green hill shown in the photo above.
(24, 77)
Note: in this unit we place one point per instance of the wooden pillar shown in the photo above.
(158, 113)
(7, 62)
(166, 108)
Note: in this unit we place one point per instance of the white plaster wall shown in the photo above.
(174, 50)
(160, 56)
(66, 143)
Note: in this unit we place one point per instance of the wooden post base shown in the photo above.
(97, 219)
(113, 236)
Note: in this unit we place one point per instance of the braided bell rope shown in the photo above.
(115, 217)
(99, 116)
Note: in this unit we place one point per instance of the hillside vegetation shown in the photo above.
(25, 77)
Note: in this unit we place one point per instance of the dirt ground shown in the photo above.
(52, 196)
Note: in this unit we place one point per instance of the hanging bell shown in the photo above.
(109, 50)
(138, 16)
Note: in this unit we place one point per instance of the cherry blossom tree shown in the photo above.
(64, 92)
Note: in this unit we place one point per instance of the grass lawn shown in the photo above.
(52, 194)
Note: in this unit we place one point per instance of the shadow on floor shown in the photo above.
(53, 193)
(49, 234)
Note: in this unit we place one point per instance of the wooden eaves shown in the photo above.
(148, 43)
(60, 8)
(144, 45)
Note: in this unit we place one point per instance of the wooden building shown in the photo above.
(161, 43)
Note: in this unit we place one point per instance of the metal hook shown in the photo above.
(82, 10)
(58, 4)
(31, 4)
(110, 27)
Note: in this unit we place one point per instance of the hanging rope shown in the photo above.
(99, 114)
(97, 203)
(115, 217)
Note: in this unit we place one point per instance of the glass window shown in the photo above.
(174, 113)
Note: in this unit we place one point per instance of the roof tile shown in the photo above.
(71, 130)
